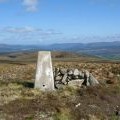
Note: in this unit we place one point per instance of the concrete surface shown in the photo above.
(44, 74)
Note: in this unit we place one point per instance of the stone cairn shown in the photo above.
(73, 77)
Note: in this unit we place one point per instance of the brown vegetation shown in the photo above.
(19, 101)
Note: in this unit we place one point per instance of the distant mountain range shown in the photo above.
(109, 50)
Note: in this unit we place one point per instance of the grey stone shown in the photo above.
(86, 73)
(44, 73)
(86, 78)
(59, 86)
(64, 79)
(76, 83)
(69, 78)
(56, 75)
(75, 77)
(58, 78)
(70, 72)
(87, 82)
(56, 72)
(92, 80)
(76, 72)
(56, 82)
(81, 74)
(63, 71)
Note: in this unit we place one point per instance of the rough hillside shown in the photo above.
(19, 100)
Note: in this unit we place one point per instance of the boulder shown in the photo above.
(69, 78)
(59, 86)
(58, 78)
(56, 72)
(70, 72)
(86, 78)
(64, 79)
(63, 71)
(86, 73)
(76, 72)
(92, 80)
(75, 83)
(81, 75)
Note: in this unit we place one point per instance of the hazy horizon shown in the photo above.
(50, 21)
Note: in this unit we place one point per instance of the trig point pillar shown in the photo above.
(44, 74)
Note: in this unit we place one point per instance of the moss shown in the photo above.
(67, 91)
(31, 117)
(14, 86)
(114, 117)
(63, 114)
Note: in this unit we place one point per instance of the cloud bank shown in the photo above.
(31, 35)
(28, 35)
(31, 5)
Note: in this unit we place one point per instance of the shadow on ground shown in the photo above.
(26, 84)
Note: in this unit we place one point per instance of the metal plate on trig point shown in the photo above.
(44, 73)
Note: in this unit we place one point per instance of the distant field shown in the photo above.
(104, 50)
(31, 57)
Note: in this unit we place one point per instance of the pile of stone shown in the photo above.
(73, 77)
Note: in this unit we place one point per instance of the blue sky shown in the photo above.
(59, 21)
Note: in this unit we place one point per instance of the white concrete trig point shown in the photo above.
(44, 74)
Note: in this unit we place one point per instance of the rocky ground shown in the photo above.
(20, 101)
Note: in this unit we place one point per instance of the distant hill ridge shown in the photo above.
(110, 50)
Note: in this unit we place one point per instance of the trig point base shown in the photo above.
(44, 74)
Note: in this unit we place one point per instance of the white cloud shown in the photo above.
(31, 5)
(27, 35)
(29, 29)
(26, 29)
